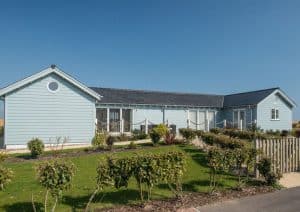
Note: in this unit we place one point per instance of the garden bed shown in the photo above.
(192, 200)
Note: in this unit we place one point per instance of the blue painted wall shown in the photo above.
(264, 113)
(34, 111)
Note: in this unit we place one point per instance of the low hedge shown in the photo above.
(223, 141)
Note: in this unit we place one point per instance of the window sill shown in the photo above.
(275, 120)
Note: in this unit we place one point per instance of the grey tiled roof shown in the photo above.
(126, 96)
(247, 98)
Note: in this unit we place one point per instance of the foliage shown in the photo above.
(55, 176)
(275, 133)
(264, 167)
(199, 133)
(284, 133)
(139, 135)
(1, 131)
(36, 147)
(99, 140)
(124, 137)
(132, 145)
(296, 133)
(215, 130)
(223, 141)
(188, 134)
(170, 138)
(6, 174)
(155, 137)
(148, 170)
(110, 141)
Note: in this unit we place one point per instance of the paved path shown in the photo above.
(290, 180)
(287, 200)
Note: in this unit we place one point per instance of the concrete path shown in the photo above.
(290, 180)
(287, 200)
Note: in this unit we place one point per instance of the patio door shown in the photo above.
(239, 119)
(114, 120)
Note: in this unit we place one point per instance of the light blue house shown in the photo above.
(52, 104)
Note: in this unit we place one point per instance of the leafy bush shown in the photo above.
(36, 147)
(215, 130)
(139, 135)
(132, 145)
(99, 140)
(264, 167)
(170, 138)
(124, 137)
(158, 133)
(148, 170)
(284, 133)
(296, 133)
(155, 137)
(188, 134)
(55, 176)
(110, 141)
(223, 141)
(199, 133)
(6, 174)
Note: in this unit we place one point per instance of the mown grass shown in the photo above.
(17, 196)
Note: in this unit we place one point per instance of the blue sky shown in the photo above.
(210, 46)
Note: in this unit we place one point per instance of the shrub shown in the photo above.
(124, 137)
(284, 133)
(161, 129)
(170, 138)
(139, 135)
(264, 167)
(55, 176)
(132, 145)
(188, 134)
(36, 147)
(297, 133)
(99, 140)
(223, 141)
(110, 141)
(215, 130)
(155, 137)
(199, 133)
(6, 174)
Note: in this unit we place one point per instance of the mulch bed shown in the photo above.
(192, 200)
(71, 154)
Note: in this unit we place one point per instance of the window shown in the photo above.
(274, 114)
(53, 86)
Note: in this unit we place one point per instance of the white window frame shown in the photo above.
(277, 113)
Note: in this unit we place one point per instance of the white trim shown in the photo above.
(44, 73)
(5, 124)
(24, 146)
(51, 91)
(288, 99)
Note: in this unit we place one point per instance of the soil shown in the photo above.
(190, 201)
(70, 154)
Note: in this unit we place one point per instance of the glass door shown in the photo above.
(114, 120)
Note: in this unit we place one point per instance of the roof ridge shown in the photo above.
(156, 91)
(274, 88)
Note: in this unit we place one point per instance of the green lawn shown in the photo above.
(17, 196)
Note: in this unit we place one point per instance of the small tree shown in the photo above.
(56, 177)
(99, 140)
(36, 147)
(264, 167)
(158, 133)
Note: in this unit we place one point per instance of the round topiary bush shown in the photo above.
(36, 147)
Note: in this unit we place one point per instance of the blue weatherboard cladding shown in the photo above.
(34, 111)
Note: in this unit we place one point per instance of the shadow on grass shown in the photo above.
(116, 197)
(197, 155)
(22, 206)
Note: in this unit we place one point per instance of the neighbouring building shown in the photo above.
(53, 104)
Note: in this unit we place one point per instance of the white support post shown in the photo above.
(225, 123)
(107, 120)
(206, 121)
(146, 126)
(241, 127)
(188, 123)
(207, 124)
(188, 119)
(198, 120)
(132, 120)
(121, 121)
